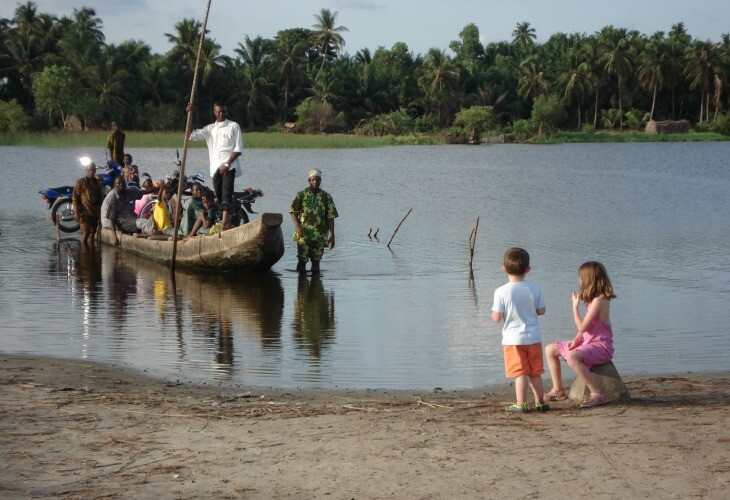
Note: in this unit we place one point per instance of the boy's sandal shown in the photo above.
(594, 400)
(517, 408)
(542, 406)
(554, 395)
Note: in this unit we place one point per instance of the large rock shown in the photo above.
(609, 381)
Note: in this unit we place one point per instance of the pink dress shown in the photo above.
(597, 346)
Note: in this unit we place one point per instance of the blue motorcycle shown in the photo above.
(59, 199)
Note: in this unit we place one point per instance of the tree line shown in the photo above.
(60, 73)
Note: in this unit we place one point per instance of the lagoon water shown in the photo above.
(408, 317)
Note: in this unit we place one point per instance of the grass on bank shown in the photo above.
(581, 137)
(253, 140)
(281, 140)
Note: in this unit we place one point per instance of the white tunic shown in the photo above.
(222, 138)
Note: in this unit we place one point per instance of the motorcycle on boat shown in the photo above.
(59, 202)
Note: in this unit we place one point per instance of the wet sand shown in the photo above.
(78, 430)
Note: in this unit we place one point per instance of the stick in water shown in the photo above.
(398, 227)
(472, 241)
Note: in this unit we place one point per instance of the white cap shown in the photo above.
(314, 173)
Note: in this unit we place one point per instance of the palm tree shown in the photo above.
(27, 44)
(650, 71)
(255, 90)
(253, 52)
(616, 60)
(288, 54)
(575, 79)
(702, 64)
(326, 36)
(532, 82)
(523, 35)
(439, 79)
(185, 43)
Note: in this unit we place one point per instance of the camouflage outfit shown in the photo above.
(313, 211)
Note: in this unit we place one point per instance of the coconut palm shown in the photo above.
(523, 35)
(532, 82)
(650, 71)
(185, 41)
(575, 79)
(439, 79)
(616, 60)
(254, 52)
(288, 54)
(702, 64)
(327, 36)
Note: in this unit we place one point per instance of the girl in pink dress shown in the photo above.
(593, 345)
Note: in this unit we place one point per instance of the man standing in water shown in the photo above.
(87, 199)
(313, 212)
(115, 144)
(225, 145)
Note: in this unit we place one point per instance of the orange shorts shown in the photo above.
(523, 360)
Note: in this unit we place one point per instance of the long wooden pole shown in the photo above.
(188, 130)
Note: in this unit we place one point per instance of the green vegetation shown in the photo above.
(61, 74)
(254, 140)
(582, 137)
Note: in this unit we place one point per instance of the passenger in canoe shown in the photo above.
(193, 209)
(210, 219)
(117, 211)
(165, 211)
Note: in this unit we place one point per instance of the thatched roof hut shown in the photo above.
(667, 127)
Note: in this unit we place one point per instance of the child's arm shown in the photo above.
(578, 340)
(497, 317)
(597, 305)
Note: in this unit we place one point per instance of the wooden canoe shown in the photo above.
(255, 246)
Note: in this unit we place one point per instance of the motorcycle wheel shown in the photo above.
(147, 210)
(64, 209)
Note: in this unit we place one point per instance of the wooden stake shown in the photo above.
(472, 241)
(398, 227)
(58, 227)
(188, 130)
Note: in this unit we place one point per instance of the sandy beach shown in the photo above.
(78, 430)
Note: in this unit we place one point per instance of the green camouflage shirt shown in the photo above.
(313, 211)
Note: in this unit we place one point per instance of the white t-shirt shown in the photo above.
(518, 301)
(222, 138)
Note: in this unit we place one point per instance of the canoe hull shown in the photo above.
(255, 246)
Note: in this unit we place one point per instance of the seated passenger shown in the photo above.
(210, 218)
(193, 209)
(146, 184)
(117, 211)
(161, 214)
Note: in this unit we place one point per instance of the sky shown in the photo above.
(421, 24)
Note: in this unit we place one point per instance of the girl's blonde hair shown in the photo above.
(594, 282)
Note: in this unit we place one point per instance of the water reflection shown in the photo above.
(121, 286)
(215, 308)
(314, 316)
(88, 277)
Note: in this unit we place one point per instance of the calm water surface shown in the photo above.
(406, 317)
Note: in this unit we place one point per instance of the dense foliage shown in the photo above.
(60, 73)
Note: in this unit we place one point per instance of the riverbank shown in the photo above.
(81, 430)
(252, 140)
(282, 140)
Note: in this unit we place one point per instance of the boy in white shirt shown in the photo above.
(518, 303)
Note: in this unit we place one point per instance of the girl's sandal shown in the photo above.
(555, 395)
(594, 400)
